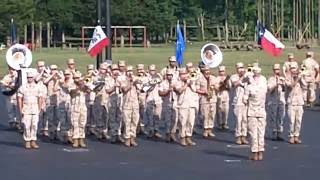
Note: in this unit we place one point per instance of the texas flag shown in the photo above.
(98, 42)
(268, 42)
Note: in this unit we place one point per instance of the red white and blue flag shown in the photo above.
(98, 42)
(268, 42)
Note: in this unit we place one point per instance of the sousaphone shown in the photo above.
(211, 55)
(19, 58)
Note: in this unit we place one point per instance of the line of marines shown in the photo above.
(117, 102)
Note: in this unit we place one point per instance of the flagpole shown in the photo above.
(108, 30)
(99, 56)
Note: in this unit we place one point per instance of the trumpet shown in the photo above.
(193, 75)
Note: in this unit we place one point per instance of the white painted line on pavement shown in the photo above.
(237, 146)
(75, 150)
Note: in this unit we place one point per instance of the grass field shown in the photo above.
(158, 56)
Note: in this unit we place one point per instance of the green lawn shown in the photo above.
(158, 56)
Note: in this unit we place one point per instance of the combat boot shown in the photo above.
(260, 156)
(205, 133)
(133, 142)
(225, 127)
(45, 133)
(69, 139)
(244, 140)
(297, 140)
(127, 142)
(75, 143)
(279, 138)
(34, 145)
(254, 156)
(190, 142)
(168, 138)
(82, 143)
(113, 139)
(28, 145)
(238, 140)
(183, 142)
(291, 140)
(210, 133)
(173, 137)
(157, 135)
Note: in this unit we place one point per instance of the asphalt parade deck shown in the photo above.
(218, 158)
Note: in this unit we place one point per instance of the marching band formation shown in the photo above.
(117, 102)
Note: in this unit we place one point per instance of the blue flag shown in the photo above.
(13, 33)
(180, 46)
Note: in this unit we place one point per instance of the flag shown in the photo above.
(13, 33)
(98, 42)
(268, 42)
(180, 46)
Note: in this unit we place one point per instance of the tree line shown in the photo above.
(161, 15)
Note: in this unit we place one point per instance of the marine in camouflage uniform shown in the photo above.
(9, 82)
(114, 105)
(78, 110)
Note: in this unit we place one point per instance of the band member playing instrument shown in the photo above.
(238, 83)
(63, 114)
(130, 108)
(169, 106)
(208, 100)
(188, 105)
(78, 110)
(42, 74)
(310, 68)
(89, 78)
(172, 66)
(288, 63)
(8, 82)
(100, 105)
(114, 92)
(142, 95)
(255, 97)
(30, 104)
(52, 100)
(276, 102)
(295, 104)
(223, 98)
(153, 104)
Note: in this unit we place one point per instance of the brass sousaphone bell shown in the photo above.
(211, 55)
(19, 58)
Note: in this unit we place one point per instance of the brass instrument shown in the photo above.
(193, 76)
(150, 85)
(211, 55)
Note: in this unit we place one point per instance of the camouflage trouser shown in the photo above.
(295, 114)
(170, 117)
(30, 122)
(240, 112)
(91, 123)
(276, 115)
(257, 128)
(64, 123)
(11, 104)
(130, 121)
(142, 107)
(78, 121)
(208, 112)
(309, 93)
(152, 115)
(222, 112)
(186, 121)
(100, 117)
(115, 119)
(52, 118)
